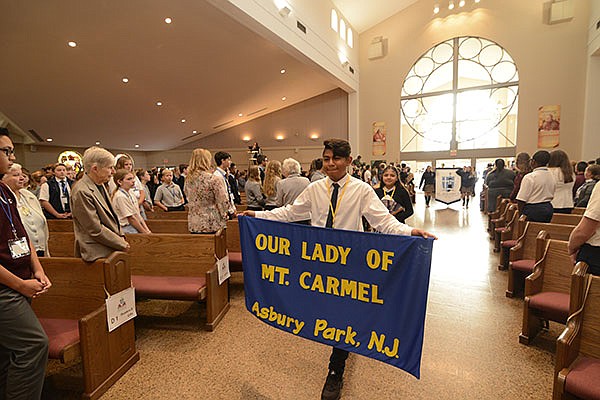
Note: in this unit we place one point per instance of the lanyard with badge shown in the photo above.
(18, 246)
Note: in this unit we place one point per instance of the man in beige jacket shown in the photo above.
(96, 226)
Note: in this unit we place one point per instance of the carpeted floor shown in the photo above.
(471, 347)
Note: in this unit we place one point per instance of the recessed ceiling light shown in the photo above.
(194, 132)
(461, 3)
(282, 71)
(125, 79)
(168, 20)
(284, 98)
(183, 121)
(159, 103)
(49, 139)
(240, 115)
(97, 143)
(136, 145)
(72, 44)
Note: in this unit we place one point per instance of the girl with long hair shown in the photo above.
(272, 176)
(125, 205)
(394, 195)
(562, 171)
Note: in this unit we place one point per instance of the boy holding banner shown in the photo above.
(340, 202)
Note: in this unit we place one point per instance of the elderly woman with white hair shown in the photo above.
(30, 210)
(293, 184)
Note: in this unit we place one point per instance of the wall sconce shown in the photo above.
(246, 139)
(279, 138)
(314, 136)
(343, 59)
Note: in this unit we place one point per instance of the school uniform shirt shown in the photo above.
(355, 200)
(563, 195)
(125, 206)
(593, 212)
(169, 195)
(537, 187)
(33, 219)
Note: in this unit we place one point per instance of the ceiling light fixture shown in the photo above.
(194, 132)
(136, 146)
(240, 115)
(183, 120)
(97, 143)
(49, 139)
(461, 3)
(283, 98)
(477, 1)
(125, 79)
(168, 20)
(436, 8)
(282, 71)
(159, 103)
(72, 44)
(451, 5)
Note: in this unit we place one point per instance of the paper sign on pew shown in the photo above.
(120, 308)
(223, 269)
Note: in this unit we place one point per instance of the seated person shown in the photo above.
(168, 196)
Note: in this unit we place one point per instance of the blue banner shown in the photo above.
(362, 292)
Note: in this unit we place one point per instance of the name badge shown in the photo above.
(19, 248)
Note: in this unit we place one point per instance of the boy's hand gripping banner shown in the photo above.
(362, 292)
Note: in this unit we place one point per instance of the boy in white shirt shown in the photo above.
(339, 201)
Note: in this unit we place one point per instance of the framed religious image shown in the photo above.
(548, 126)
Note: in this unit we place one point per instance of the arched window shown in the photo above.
(461, 94)
(350, 39)
(342, 29)
(334, 20)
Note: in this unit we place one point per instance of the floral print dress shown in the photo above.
(208, 203)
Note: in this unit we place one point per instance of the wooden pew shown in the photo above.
(501, 205)
(547, 289)
(523, 255)
(155, 225)
(170, 266)
(578, 210)
(504, 223)
(234, 248)
(509, 238)
(577, 365)
(159, 214)
(565, 219)
(73, 313)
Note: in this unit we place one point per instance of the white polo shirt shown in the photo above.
(537, 187)
(593, 212)
(563, 195)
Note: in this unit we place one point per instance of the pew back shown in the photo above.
(557, 267)
(233, 236)
(159, 214)
(155, 225)
(532, 229)
(590, 327)
(565, 219)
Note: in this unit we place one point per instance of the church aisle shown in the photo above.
(471, 347)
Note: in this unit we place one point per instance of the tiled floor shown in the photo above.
(471, 348)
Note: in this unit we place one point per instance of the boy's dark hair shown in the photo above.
(4, 132)
(581, 166)
(220, 156)
(541, 157)
(260, 158)
(339, 147)
(182, 167)
(59, 164)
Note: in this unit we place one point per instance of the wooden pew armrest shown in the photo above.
(106, 356)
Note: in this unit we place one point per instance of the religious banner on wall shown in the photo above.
(447, 185)
(71, 159)
(379, 139)
(360, 291)
(548, 126)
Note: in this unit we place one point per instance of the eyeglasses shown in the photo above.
(8, 151)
